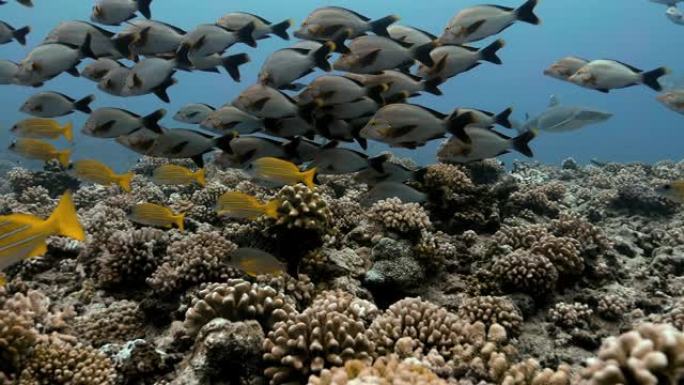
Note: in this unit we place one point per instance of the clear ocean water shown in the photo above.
(633, 31)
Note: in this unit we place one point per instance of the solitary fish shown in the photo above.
(55, 104)
(97, 172)
(673, 191)
(282, 172)
(324, 23)
(485, 144)
(565, 67)
(255, 262)
(235, 21)
(372, 54)
(559, 118)
(39, 150)
(42, 129)
(150, 214)
(451, 60)
(482, 21)
(606, 75)
(115, 12)
(235, 204)
(171, 174)
(193, 113)
(9, 33)
(111, 122)
(23, 236)
(673, 99)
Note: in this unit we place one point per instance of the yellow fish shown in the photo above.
(673, 191)
(170, 174)
(43, 129)
(240, 205)
(283, 172)
(37, 149)
(96, 172)
(23, 236)
(150, 214)
(255, 262)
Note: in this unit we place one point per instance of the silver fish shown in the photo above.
(288, 127)
(54, 104)
(98, 69)
(182, 143)
(334, 160)
(324, 23)
(115, 12)
(382, 169)
(565, 67)
(49, 60)
(152, 75)
(410, 35)
(606, 75)
(482, 21)
(673, 99)
(451, 60)
(243, 150)
(110, 122)
(386, 190)
(150, 37)
(208, 39)
(484, 144)
(193, 113)
(372, 54)
(266, 102)
(9, 33)
(231, 119)
(8, 72)
(400, 83)
(139, 141)
(342, 130)
(211, 63)
(286, 65)
(262, 28)
(114, 82)
(364, 107)
(558, 118)
(462, 117)
(334, 89)
(75, 32)
(675, 15)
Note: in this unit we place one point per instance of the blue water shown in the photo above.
(633, 31)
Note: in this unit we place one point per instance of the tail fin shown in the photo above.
(68, 132)
(650, 78)
(376, 92)
(246, 35)
(144, 8)
(526, 12)
(320, 56)
(83, 105)
(66, 219)
(422, 54)
(63, 157)
(123, 44)
(86, 48)
(271, 208)
(489, 52)
(201, 177)
(151, 121)
(456, 124)
(160, 91)
(379, 27)
(520, 143)
(308, 178)
(232, 64)
(20, 34)
(502, 118)
(180, 221)
(124, 181)
(280, 29)
(431, 86)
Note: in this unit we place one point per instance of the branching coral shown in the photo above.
(300, 290)
(130, 256)
(591, 238)
(119, 322)
(529, 372)
(613, 307)
(542, 200)
(490, 310)
(526, 272)
(570, 316)
(563, 252)
(385, 370)
(403, 218)
(519, 237)
(303, 208)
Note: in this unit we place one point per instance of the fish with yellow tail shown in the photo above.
(235, 204)
(23, 236)
(255, 262)
(150, 214)
(94, 171)
(673, 191)
(282, 172)
(37, 149)
(171, 174)
(40, 128)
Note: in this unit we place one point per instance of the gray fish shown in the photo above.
(342, 130)
(386, 190)
(335, 89)
(267, 102)
(482, 21)
(139, 141)
(231, 119)
(334, 160)
(262, 28)
(364, 107)
(324, 23)
(98, 69)
(667, 2)
(372, 54)
(400, 83)
(565, 67)
(484, 144)
(606, 75)
(300, 150)
(675, 15)
(49, 60)
(410, 35)
(463, 117)
(75, 32)
(25, 3)
(114, 82)
(382, 169)
(211, 63)
(286, 65)
(243, 150)
(208, 39)
(288, 127)
(110, 122)
(115, 12)
(150, 37)
(152, 75)
(9, 33)
(8, 72)
(673, 99)
(187, 144)
(451, 60)
(193, 113)
(558, 118)
(54, 104)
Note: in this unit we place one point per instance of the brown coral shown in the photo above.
(385, 370)
(119, 322)
(526, 272)
(303, 208)
(63, 364)
(592, 239)
(300, 290)
(490, 310)
(570, 316)
(130, 256)
(403, 218)
(519, 237)
(563, 252)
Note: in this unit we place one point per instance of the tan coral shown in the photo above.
(130, 256)
(300, 290)
(613, 307)
(571, 315)
(519, 237)
(591, 238)
(303, 208)
(449, 176)
(530, 372)
(526, 272)
(490, 310)
(404, 218)
(563, 252)
(346, 303)
(119, 322)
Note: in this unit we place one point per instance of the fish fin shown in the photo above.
(308, 177)
(66, 219)
(87, 47)
(223, 142)
(180, 221)
(376, 92)
(271, 208)
(83, 105)
(340, 37)
(246, 35)
(472, 28)
(259, 104)
(151, 121)
(422, 53)
(183, 57)
(369, 58)
(320, 56)
(123, 44)
(124, 181)
(439, 66)
(650, 78)
(73, 71)
(68, 132)
(160, 91)
(431, 86)
(63, 157)
(20, 34)
(377, 163)
(40, 249)
(604, 90)
(419, 175)
(322, 125)
(331, 144)
(526, 12)
(144, 8)
(520, 143)
(232, 64)
(212, 70)
(379, 27)
(198, 43)
(489, 52)
(280, 29)
(363, 143)
(201, 177)
(290, 148)
(502, 118)
(456, 124)
(199, 160)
